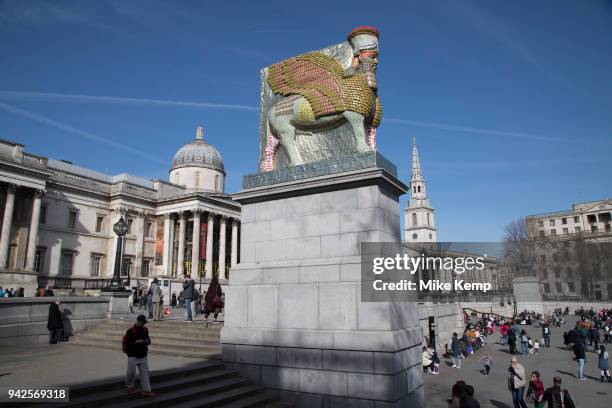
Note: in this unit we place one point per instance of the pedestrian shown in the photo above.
(535, 392)
(213, 300)
(136, 346)
(456, 351)
(487, 361)
(516, 383)
(503, 331)
(49, 292)
(155, 298)
(580, 359)
(595, 335)
(173, 300)
(603, 363)
(188, 285)
(54, 322)
(512, 341)
(150, 303)
(558, 397)
(131, 302)
(546, 334)
(468, 400)
(20, 292)
(67, 329)
(524, 343)
(536, 347)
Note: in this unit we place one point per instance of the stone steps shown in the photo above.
(207, 384)
(172, 338)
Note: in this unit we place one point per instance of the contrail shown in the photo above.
(114, 99)
(78, 132)
(484, 131)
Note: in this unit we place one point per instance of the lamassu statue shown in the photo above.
(321, 104)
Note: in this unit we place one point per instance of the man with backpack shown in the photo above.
(558, 397)
(546, 334)
(135, 344)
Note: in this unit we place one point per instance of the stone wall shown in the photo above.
(24, 320)
(448, 318)
(295, 322)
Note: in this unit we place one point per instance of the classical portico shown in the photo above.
(57, 218)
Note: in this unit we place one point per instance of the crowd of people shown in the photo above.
(10, 292)
(151, 299)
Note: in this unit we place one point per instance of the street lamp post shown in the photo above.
(120, 228)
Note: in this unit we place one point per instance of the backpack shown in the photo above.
(124, 339)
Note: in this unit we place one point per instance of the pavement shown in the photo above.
(492, 390)
(66, 364)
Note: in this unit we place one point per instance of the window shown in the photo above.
(67, 263)
(126, 269)
(547, 288)
(145, 268)
(196, 181)
(130, 221)
(149, 229)
(558, 287)
(577, 229)
(551, 223)
(593, 228)
(95, 265)
(99, 223)
(553, 232)
(607, 227)
(542, 233)
(419, 189)
(43, 215)
(176, 178)
(428, 219)
(565, 231)
(217, 183)
(540, 223)
(72, 219)
(414, 219)
(571, 287)
(591, 218)
(39, 258)
(414, 236)
(563, 221)
(576, 220)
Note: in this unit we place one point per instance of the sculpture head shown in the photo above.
(364, 41)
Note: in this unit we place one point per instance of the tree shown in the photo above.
(520, 248)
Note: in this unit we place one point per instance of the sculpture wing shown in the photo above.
(315, 76)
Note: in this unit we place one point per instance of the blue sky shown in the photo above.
(511, 102)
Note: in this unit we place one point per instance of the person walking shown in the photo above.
(173, 300)
(546, 334)
(503, 331)
(536, 390)
(603, 363)
(557, 397)
(456, 351)
(213, 301)
(150, 303)
(580, 359)
(137, 341)
(54, 322)
(516, 383)
(188, 285)
(155, 298)
(524, 343)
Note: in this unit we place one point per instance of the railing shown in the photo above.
(97, 284)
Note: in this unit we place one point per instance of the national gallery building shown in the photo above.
(57, 220)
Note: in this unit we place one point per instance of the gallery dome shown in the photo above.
(198, 153)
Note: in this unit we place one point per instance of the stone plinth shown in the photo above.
(118, 306)
(527, 294)
(294, 319)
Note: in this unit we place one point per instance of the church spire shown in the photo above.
(416, 164)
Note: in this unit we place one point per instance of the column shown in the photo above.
(195, 245)
(180, 269)
(234, 260)
(5, 235)
(168, 228)
(210, 235)
(33, 233)
(140, 237)
(222, 241)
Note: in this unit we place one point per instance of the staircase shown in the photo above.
(172, 338)
(205, 384)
